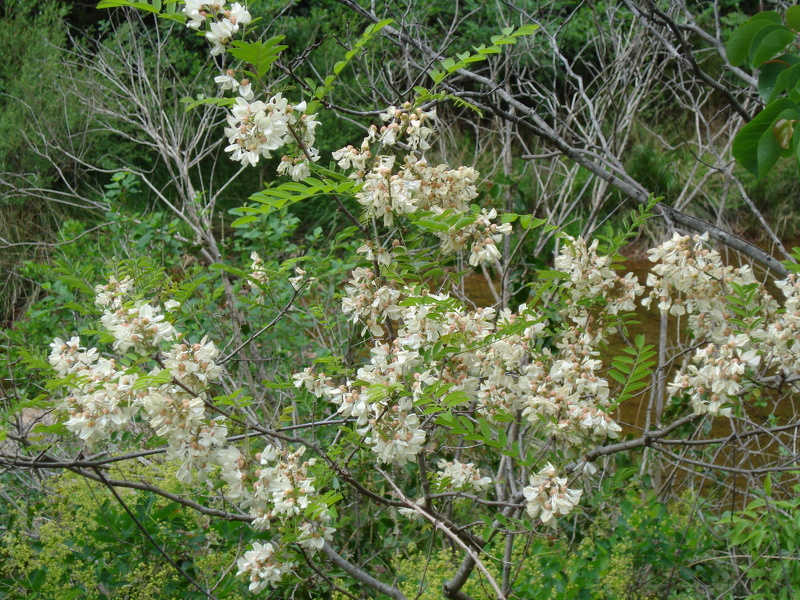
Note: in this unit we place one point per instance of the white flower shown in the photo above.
(262, 566)
(313, 534)
(238, 15)
(257, 128)
(220, 34)
(257, 270)
(460, 476)
(548, 496)
(297, 280)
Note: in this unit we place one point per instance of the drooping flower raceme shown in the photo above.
(255, 129)
(262, 566)
(548, 496)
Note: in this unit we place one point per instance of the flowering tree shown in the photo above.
(484, 425)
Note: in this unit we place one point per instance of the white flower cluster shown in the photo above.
(282, 491)
(415, 186)
(106, 396)
(141, 327)
(716, 375)
(691, 278)
(462, 477)
(228, 81)
(101, 395)
(257, 270)
(368, 303)
(224, 23)
(737, 340)
(262, 566)
(257, 128)
(483, 235)
(549, 497)
(412, 125)
(593, 280)
(193, 365)
(112, 294)
(391, 189)
(502, 373)
(566, 395)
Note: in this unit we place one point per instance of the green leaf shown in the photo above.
(192, 103)
(770, 78)
(243, 221)
(528, 222)
(433, 225)
(793, 17)
(770, 147)
(622, 476)
(755, 147)
(617, 376)
(145, 7)
(740, 42)
(259, 54)
(112, 3)
(768, 42)
(76, 283)
(485, 429)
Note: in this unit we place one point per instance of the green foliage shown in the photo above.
(286, 194)
(772, 134)
(764, 536)
(320, 92)
(638, 548)
(259, 54)
(77, 542)
(168, 9)
(633, 369)
(463, 60)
